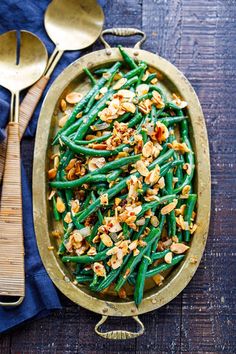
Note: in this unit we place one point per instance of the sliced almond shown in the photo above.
(133, 245)
(95, 163)
(168, 257)
(60, 205)
(186, 190)
(62, 121)
(73, 97)
(142, 89)
(147, 149)
(106, 240)
(119, 83)
(193, 229)
(51, 194)
(161, 182)
(115, 262)
(103, 90)
(141, 168)
(136, 252)
(63, 105)
(187, 168)
(158, 279)
(75, 206)
(99, 269)
(181, 147)
(154, 221)
(70, 164)
(169, 207)
(56, 234)
(157, 99)
(128, 107)
(52, 173)
(67, 217)
(178, 102)
(104, 199)
(178, 248)
(79, 115)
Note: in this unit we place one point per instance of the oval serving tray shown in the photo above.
(73, 78)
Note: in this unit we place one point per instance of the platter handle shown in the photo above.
(123, 32)
(119, 334)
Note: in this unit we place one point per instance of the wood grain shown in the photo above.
(198, 36)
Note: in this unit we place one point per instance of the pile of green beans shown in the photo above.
(92, 181)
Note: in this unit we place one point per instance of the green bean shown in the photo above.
(159, 255)
(95, 140)
(100, 71)
(144, 135)
(127, 59)
(150, 78)
(171, 216)
(62, 247)
(85, 259)
(172, 120)
(84, 278)
(114, 175)
(164, 266)
(99, 214)
(90, 76)
(161, 226)
(150, 205)
(135, 120)
(191, 201)
(87, 151)
(56, 214)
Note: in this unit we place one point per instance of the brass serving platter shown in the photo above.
(73, 78)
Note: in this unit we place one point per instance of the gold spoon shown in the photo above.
(71, 25)
(15, 75)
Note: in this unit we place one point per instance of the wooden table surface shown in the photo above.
(199, 37)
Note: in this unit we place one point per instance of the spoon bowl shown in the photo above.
(73, 24)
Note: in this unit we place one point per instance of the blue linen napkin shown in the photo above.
(41, 295)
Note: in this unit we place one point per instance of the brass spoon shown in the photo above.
(71, 25)
(15, 75)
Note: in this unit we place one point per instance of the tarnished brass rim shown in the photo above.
(179, 278)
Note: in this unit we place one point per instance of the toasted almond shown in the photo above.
(75, 206)
(52, 173)
(106, 240)
(122, 293)
(175, 239)
(153, 176)
(99, 269)
(92, 251)
(158, 279)
(95, 163)
(180, 222)
(104, 199)
(63, 105)
(178, 102)
(140, 222)
(67, 217)
(128, 107)
(126, 95)
(112, 251)
(117, 201)
(115, 262)
(56, 161)
(62, 121)
(141, 168)
(157, 99)
(142, 89)
(56, 234)
(133, 245)
(135, 252)
(73, 97)
(50, 248)
(168, 257)
(161, 132)
(145, 76)
(169, 207)
(103, 90)
(119, 83)
(178, 248)
(106, 75)
(187, 168)
(71, 174)
(161, 182)
(186, 190)
(181, 147)
(60, 205)
(154, 221)
(154, 81)
(193, 229)
(52, 193)
(147, 149)
(181, 210)
(193, 259)
(70, 164)
(79, 115)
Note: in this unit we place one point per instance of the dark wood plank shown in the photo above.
(208, 55)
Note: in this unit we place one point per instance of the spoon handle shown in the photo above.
(12, 280)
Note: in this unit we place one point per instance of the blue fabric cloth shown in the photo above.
(41, 295)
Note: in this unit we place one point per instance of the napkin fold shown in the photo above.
(41, 296)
